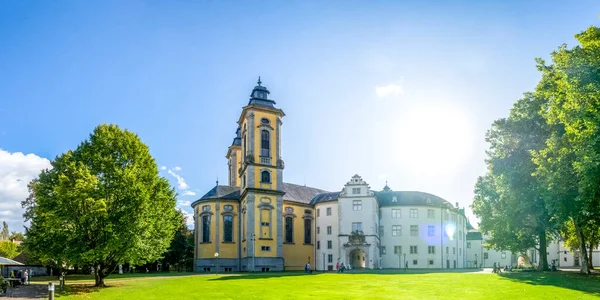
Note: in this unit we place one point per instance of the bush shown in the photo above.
(3, 285)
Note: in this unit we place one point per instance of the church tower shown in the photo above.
(255, 165)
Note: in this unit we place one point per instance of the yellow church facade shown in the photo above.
(256, 222)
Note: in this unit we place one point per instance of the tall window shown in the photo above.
(357, 205)
(414, 213)
(430, 230)
(383, 250)
(431, 249)
(206, 229)
(318, 245)
(430, 214)
(453, 250)
(329, 244)
(228, 229)
(318, 230)
(307, 231)
(289, 230)
(265, 177)
(329, 230)
(356, 226)
(414, 230)
(328, 210)
(330, 258)
(265, 223)
(396, 213)
(396, 230)
(318, 212)
(244, 147)
(413, 249)
(264, 143)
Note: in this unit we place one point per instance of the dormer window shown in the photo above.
(394, 199)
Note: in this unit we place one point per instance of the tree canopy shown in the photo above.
(102, 204)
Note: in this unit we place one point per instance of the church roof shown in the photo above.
(409, 198)
(325, 197)
(293, 192)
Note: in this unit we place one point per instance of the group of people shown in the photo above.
(22, 274)
(498, 268)
(340, 268)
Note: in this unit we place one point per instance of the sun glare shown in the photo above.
(434, 139)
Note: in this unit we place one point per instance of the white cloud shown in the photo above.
(183, 203)
(163, 168)
(390, 90)
(189, 218)
(180, 181)
(188, 193)
(177, 168)
(16, 171)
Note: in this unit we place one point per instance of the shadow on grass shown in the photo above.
(79, 289)
(238, 276)
(83, 277)
(569, 280)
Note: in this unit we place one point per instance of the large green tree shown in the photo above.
(570, 162)
(509, 200)
(102, 204)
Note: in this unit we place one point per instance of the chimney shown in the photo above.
(456, 204)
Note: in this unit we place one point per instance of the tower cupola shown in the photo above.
(260, 96)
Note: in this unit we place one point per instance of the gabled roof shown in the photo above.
(325, 197)
(6, 261)
(409, 198)
(293, 192)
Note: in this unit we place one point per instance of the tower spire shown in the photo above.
(259, 82)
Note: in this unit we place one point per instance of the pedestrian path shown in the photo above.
(25, 292)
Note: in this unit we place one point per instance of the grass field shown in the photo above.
(559, 285)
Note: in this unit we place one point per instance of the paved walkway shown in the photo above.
(25, 292)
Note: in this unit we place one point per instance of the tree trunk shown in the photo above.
(582, 248)
(590, 259)
(543, 265)
(100, 277)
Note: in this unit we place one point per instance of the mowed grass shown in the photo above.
(559, 285)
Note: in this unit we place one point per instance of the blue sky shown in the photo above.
(386, 89)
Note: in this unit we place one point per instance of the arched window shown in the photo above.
(265, 177)
(244, 147)
(206, 229)
(228, 229)
(264, 143)
(307, 231)
(289, 230)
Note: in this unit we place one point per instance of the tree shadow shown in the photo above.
(81, 288)
(238, 276)
(569, 280)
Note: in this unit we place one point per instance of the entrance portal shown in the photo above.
(357, 259)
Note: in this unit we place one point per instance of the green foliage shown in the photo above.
(102, 204)
(8, 249)
(508, 199)
(570, 162)
(181, 250)
(16, 236)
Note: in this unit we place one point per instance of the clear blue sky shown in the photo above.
(178, 72)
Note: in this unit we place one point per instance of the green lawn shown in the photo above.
(560, 285)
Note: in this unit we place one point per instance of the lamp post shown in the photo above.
(217, 264)
(404, 261)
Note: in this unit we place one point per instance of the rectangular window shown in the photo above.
(396, 230)
(430, 214)
(318, 245)
(206, 229)
(356, 226)
(357, 205)
(414, 213)
(503, 255)
(431, 261)
(228, 229)
(396, 213)
(414, 261)
(565, 259)
(380, 231)
(328, 210)
(447, 250)
(413, 250)
(414, 230)
(318, 230)
(289, 230)
(307, 231)
(355, 191)
(264, 143)
(397, 249)
(431, 249)
(469, 245)
(329, 258)
(329, 230)
(485, 255)
(329, 244)
(318, 212)
(382, 249)
(453, 250)
(265, 248)
(430, 230)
